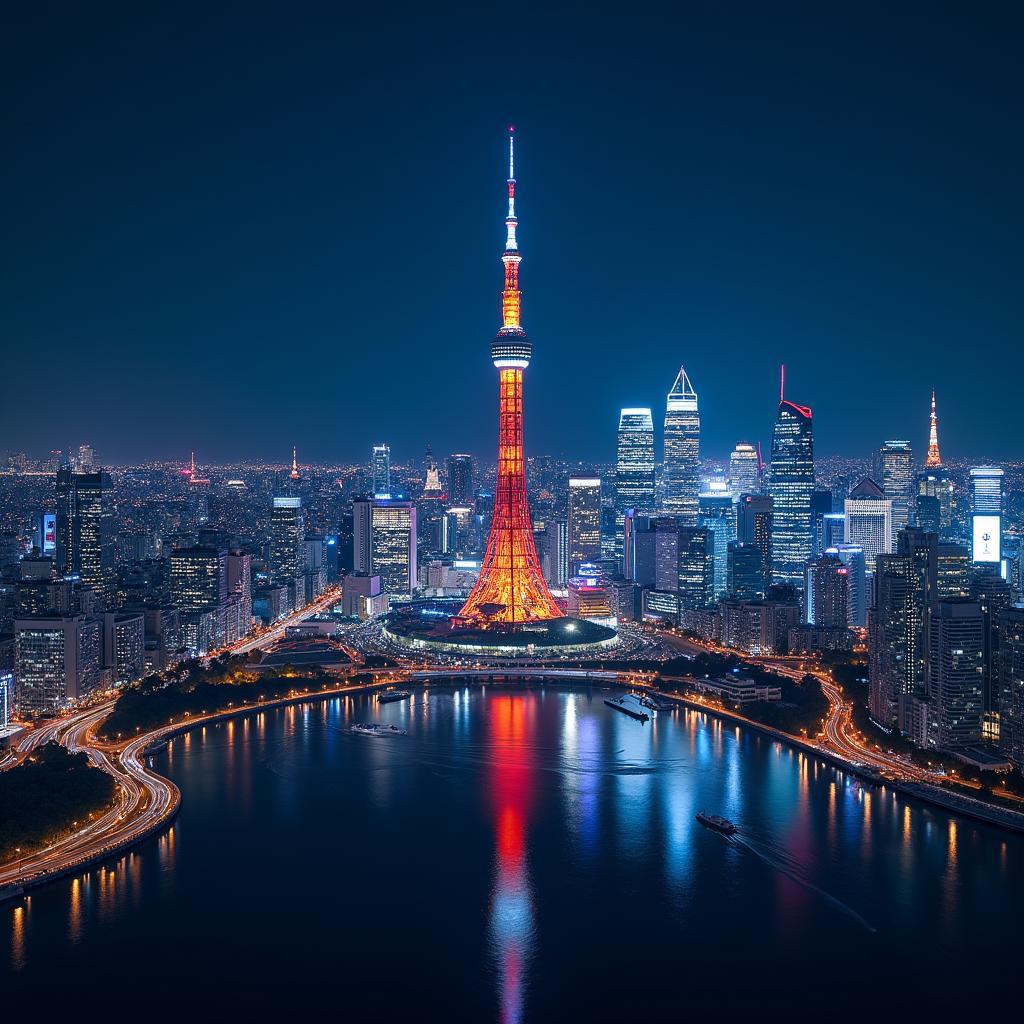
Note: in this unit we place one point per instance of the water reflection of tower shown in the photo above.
(510, 720)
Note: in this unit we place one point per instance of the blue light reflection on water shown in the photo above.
(507, 850)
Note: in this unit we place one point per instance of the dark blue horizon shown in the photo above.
(238, 234)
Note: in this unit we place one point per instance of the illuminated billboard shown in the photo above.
(985, 546)
(49, 545)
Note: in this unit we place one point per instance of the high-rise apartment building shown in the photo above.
(287, 534)
(681, 463)
(584, 521)
(124, 645)
(826, 592)
(956, 667)
(634, 468)
(238, 579)
(791, 484)
(744, 470)
(381, 471)
(85, 528)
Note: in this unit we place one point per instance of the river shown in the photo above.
(523, 855)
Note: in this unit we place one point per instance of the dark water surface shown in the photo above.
(523, 856)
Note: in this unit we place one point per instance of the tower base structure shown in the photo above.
(437, 626)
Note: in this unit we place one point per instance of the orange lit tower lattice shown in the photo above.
(934, 459)
(511, 588)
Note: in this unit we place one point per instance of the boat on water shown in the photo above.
(656, 703)
(376, 729)
(392, 695)
(630, 705)
(717, 823)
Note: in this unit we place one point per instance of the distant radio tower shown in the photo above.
(294, 474)
(510, 588)
(934, 459)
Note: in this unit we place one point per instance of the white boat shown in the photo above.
(376, 729)
(630, 705)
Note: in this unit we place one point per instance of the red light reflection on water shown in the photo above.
(510, 720)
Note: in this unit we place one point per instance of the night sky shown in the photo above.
(238, 229)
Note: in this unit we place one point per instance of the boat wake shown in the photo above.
(785, 865)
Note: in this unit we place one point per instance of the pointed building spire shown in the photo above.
(192, 471)
(510, 297)
(682, 395)
(295, 464)
(934, 459)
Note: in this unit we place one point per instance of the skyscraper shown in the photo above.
(584, 505)
(754, 526)
(696, 579)
(791, 484)
(681, 464)
(905, 590)
(460, 481)
(511, 588)
(198, 578)
(85, 528)
(826, 592)
(895, 472)
(716, 513)
(745, 575)
(381, 471)
(634, 470)
(1011, 684)
(938, 484)
(744, 470)
(287, 533)
(869, 521)
(986, 514)
(956, 664)
(393, 545)
(852, 556)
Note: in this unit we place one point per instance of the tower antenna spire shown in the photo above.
(782, 383)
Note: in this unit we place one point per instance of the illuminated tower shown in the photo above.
(511, 587)
(792, 482)
(933, 459)
(294, 474)
(681, 468)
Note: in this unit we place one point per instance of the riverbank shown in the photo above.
(946, 800)
(154, 800)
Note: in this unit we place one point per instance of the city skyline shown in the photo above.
(273, 255)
